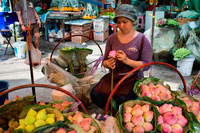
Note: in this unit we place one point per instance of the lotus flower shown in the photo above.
(159, 86)
(127, 109)
(154, 90)
(137, 110)
(164, 96)
(137, 120)
(169, 118)
(196, 104)
(145, 107)
(85, 124)
(144, 88)
(160, 119)
(147, 127)
(181, 120)
(78, 117)
(187, 101)
(148, 116)
(163, 89)
(146, 93)
(176, 128)
(138, 129)
(129, 126)
(113, 53)
(177, 110)
(166, 128)
(194, 110)
(127, 117)
(155, 97)
(165, 108)
(61, 130)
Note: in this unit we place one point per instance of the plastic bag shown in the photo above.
(57, 75)
(35, 56)
(193, 44)
(185, 31)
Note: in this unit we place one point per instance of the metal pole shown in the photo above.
(13, 15)
(29, 52)
(153, 21)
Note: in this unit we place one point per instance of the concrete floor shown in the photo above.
(16, 72)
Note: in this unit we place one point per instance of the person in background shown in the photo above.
(142, 7)
(32, 16)
(133, 50)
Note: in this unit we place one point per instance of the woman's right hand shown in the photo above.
(110, 63)
(23, 28)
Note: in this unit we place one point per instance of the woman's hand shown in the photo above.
(121, 56)
(23, 28)
(110, 63)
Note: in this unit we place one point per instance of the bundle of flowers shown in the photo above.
(191, 105)
(173, 119)
(81, 122)
(137, 116)
(153, 90)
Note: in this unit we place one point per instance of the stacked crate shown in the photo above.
(81, 29)
(101, 28)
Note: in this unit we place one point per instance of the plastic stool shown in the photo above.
(140, 22)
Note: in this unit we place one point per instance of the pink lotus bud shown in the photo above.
(160, 119)
(169, 118)
(154, 90)
(165, 108)
(148, 127)
(137, 110)
(177, 110)
(127, 109)
(127, 117)
(148, 116)
(181, 120)
(194, 110)
(136, 106)
(138, 129)
(144, 88)
(176, 128)
(72, 131)
(129, 126)
(76, 123)
(78, 117)
(61, 130)
(196, 104)
(151, 85)
(113, 53)
(198, 116)
(187, 101)
(168, 92)
(137, 120)
(69, 117)
(145, 107)
(155, 97)
(85, 124)
(163, 89)
(164, 96)
(146, 93)
(166, 128)
(159, 85)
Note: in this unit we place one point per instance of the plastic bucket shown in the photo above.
(3, 86)
(19, 48)
(185, 65)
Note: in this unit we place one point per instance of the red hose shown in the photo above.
(135, 69)
(46, 86)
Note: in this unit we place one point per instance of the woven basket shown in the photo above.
(182, 21)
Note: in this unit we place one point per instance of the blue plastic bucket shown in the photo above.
(3, 86)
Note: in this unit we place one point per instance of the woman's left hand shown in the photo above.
(121, 56)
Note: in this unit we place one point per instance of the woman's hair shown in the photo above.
(125, 10)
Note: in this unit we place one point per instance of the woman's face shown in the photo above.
(124, 24)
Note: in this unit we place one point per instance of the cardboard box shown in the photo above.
(80, 39)
(101, 36)
(80, 27)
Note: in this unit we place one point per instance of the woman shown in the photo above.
(133, 50)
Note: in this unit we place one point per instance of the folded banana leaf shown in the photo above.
(81, 54)
(67, 55)
(132, 103)
(154, 81)
(180, 102)
(77, 122)
(13, 109)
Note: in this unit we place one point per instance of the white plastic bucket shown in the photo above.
(185, 65)
(19, 48)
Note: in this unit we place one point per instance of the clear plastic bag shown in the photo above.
(35, 56)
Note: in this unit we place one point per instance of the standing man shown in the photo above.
(32, 16)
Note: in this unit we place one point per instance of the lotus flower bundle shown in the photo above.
(137, 116)
(83, 122)
(154, 91)
(171, 119)
(192, 106)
